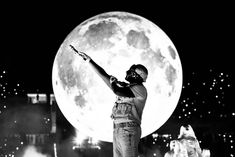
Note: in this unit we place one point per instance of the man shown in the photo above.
(128, 108)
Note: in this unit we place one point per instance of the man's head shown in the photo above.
(137, 74)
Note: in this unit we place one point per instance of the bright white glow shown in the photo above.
(206, 153)
(79, 138)
(55, 150)
(84, 98)
(31, 151)
(155, 135)
(166, 135)
(95, 141)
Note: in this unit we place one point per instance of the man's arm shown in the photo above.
(120, 88)
(101, 72)
(109, 80)
(112, 81)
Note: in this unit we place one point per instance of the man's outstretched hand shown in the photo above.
(82, 54)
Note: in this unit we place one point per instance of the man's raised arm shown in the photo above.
(99, 70)
(111, 81)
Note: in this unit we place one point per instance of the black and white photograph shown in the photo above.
(116, 79)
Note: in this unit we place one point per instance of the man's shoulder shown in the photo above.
(139, 89)
(138, 86)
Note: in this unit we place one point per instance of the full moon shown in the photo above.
(115, 41)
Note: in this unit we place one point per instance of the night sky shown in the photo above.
(31, 35)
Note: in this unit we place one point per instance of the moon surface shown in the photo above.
(115, 41)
